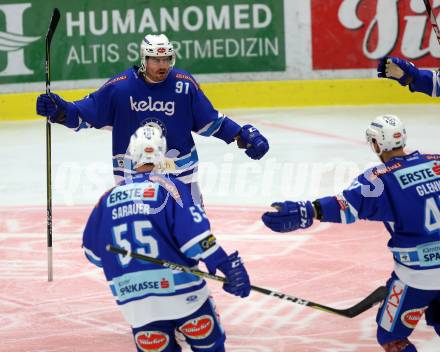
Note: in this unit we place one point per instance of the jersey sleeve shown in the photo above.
(97, 109)
(208, 121)
(426, 82)
(366, 199)
(91, 237)
(192, 230)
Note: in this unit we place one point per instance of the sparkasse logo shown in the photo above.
(12, 40)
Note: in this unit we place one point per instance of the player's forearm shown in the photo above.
(327, 209)
(228, 130)
(69, 117)
(423, 82)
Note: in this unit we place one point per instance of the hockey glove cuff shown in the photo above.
(212, 261)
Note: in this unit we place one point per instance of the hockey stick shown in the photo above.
(373, 298)
(432, 19)
(50, 32)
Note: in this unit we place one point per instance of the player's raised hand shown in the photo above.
(290, 216)
(397, 69)
(253, 141)
(238, 282)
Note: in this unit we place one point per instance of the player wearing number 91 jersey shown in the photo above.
(154, 92)
(154, 214)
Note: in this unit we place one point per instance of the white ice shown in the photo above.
(313, 152)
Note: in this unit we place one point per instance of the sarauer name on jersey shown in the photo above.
(130, 209)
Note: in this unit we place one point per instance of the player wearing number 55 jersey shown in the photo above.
(404, 193)
(153, 214)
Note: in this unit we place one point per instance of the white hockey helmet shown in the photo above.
(388, 132)
(147, 146)
(157, 46)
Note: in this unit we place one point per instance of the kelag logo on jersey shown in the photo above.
(150, 105)
(418, 174)
(133, 192)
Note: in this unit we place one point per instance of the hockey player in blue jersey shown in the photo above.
(154, 92)
(154, 214)
(404, 193)
(404, 72)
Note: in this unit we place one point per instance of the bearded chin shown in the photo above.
(158, 77)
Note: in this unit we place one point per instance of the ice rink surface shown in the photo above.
(314, 152)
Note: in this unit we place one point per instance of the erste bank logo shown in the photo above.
(12, 40)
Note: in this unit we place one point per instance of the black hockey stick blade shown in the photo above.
(375, 297)
(50, 32)
(53, 24)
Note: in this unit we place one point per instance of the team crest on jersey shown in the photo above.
(156, 122)
(198, 328)
(152, 341)
(410, 318)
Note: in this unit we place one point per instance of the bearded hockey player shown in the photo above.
(154, 92)
(403, 193)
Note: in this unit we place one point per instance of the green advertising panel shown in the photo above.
(97, 39)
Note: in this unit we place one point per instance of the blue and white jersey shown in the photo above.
(427, 82)
(404, 193)
(177, 104)
(152, 215)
